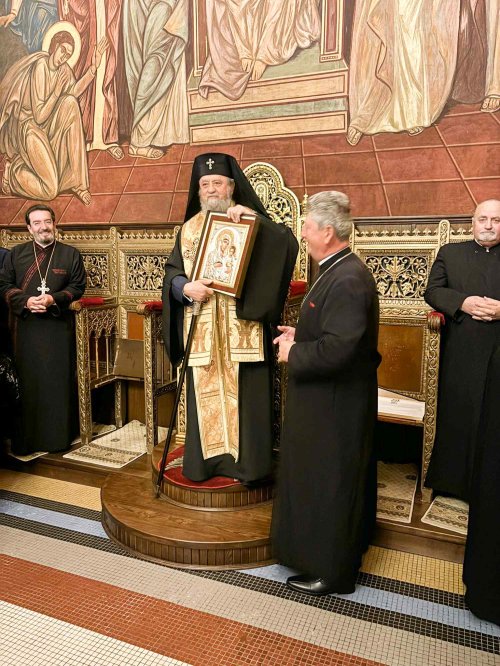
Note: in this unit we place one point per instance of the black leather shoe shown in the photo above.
(316, 587)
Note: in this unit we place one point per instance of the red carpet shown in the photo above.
(174, 475)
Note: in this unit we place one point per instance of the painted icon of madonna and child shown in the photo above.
(224, 253)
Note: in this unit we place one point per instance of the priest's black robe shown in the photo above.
(461, 270)
(44, 344)
(324, 513)
(263, 297)
(5, 346)
(482, 551)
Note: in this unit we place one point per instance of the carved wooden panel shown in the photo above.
(399, 275)
(282, 206)
(97, 267)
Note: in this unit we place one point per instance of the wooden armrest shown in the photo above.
(435, 320)
(149, 306)
(91, 302)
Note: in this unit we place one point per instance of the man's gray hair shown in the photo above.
(331, 209)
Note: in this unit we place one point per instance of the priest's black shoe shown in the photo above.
(316, 587)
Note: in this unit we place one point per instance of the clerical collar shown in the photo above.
(486, 249)
(322, 263)
(327, 265)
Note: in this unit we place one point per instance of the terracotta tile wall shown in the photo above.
(445, 170)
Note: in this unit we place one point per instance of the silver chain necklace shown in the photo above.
(43, 289)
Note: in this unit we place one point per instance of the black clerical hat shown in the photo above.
(212, 164)
(220, 164)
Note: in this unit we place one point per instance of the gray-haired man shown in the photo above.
(326, 501)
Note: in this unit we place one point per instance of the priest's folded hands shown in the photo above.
(482, 308)
(39, 303)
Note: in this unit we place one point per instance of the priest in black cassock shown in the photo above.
(9, 385)
(229, 379)
(464, 284)
(482, 550)
(324, 513)
(5, 344)
(39, 280)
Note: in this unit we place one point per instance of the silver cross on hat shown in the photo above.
(210, 163)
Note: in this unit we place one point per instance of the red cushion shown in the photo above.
(297, 288)
(175, 476)
(153, 305)
(90, 301)
(441, 316)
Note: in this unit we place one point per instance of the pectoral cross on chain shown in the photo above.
(210, 163)
(43, 289)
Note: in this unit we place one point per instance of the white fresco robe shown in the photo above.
(155, 34)
(403, 61)
(266, 30)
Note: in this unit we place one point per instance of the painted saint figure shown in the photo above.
(406, 64)
(30, 19)
(246, 38)
(155, 34)
(217, 259)
(230, 265)
(95, 20)
(41, 131)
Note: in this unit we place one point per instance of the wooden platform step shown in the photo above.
(196, 496)
(158, 530)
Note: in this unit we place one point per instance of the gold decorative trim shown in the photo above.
(432, 375)
(83, 375)
(150, 363)
(281, 204)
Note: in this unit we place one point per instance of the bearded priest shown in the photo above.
(39, 280)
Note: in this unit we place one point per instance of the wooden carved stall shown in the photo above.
(400, 253)
(122, 305)
(124, 267)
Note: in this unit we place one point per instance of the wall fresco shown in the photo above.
(104, 103)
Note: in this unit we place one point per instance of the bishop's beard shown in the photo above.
(214, 204)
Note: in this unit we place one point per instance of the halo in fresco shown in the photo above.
(68, 27)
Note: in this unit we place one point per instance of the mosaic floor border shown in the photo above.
(391, 618)
(332, 603)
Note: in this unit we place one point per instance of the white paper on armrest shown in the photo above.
(400, 405)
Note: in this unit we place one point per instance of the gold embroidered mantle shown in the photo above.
(221, 341)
